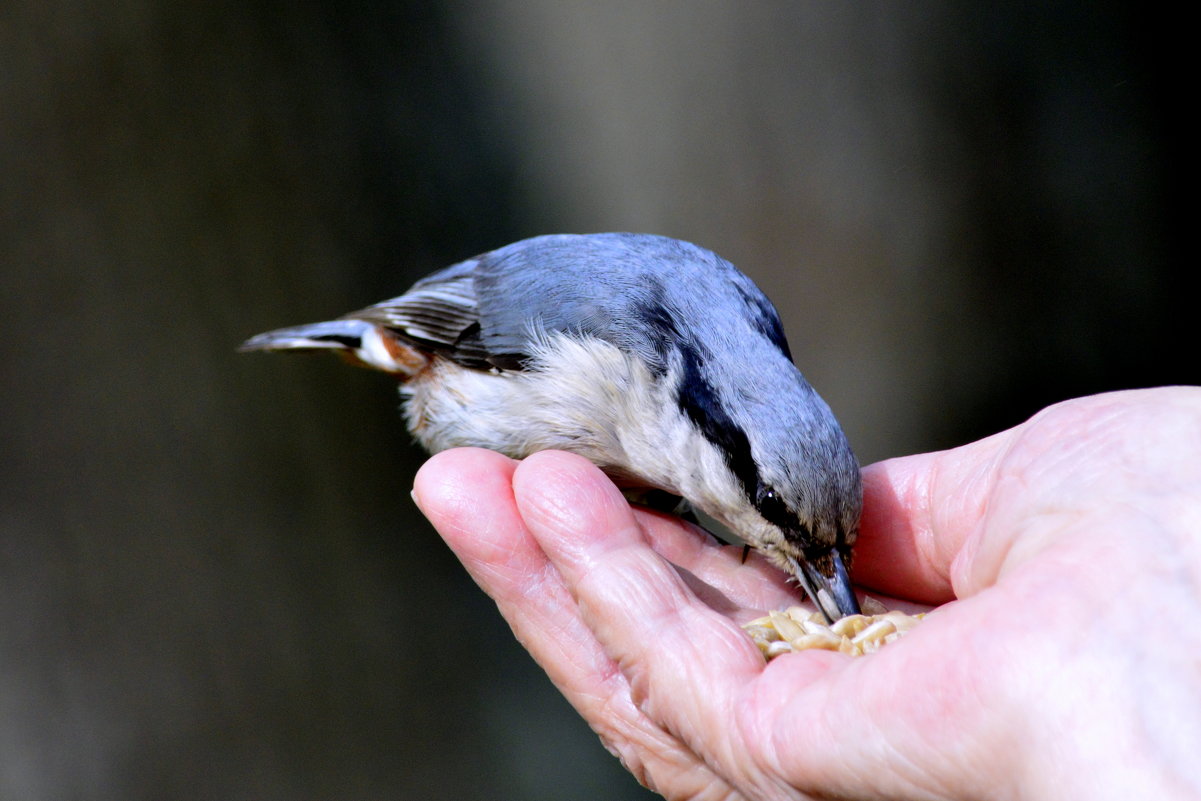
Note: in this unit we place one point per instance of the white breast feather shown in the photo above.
(581, 395)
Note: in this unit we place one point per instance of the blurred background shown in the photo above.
(213, 583)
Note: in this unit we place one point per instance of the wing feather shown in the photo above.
(439, 313)
(482, 312)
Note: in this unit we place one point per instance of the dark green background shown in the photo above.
(212, 581)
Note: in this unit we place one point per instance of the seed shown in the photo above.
(827, 641)
(877, 631)
(777, 648)
(788, 628)
(798, 629)
(850, 625)
(871, 606)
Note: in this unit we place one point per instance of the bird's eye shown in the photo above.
(772, 507)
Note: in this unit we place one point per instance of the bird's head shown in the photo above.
(809, 508)
(777, 470)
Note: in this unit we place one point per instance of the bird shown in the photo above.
(654, 358)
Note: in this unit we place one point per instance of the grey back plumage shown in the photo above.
(627, 289)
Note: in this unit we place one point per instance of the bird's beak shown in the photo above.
(831, 593)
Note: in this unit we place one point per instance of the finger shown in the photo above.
(686, 664)
(917, 513)
(743, 588)
(468, 496)
(945, 521)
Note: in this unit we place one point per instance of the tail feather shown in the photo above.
(357, 341)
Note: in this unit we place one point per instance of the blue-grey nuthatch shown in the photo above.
(654, 358)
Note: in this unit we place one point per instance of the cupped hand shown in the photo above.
(1063, 660)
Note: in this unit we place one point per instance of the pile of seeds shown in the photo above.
(796, 629)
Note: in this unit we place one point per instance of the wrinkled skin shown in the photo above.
(1066, 662)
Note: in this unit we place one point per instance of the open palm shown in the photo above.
(1064, 557)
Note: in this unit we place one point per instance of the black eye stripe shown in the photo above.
(699, 401)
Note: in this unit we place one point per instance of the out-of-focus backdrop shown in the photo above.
(213, 583)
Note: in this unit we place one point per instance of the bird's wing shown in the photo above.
(487, 311)
(611, 287)
(439, 313)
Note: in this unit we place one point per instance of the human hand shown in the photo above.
(1068, 666)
